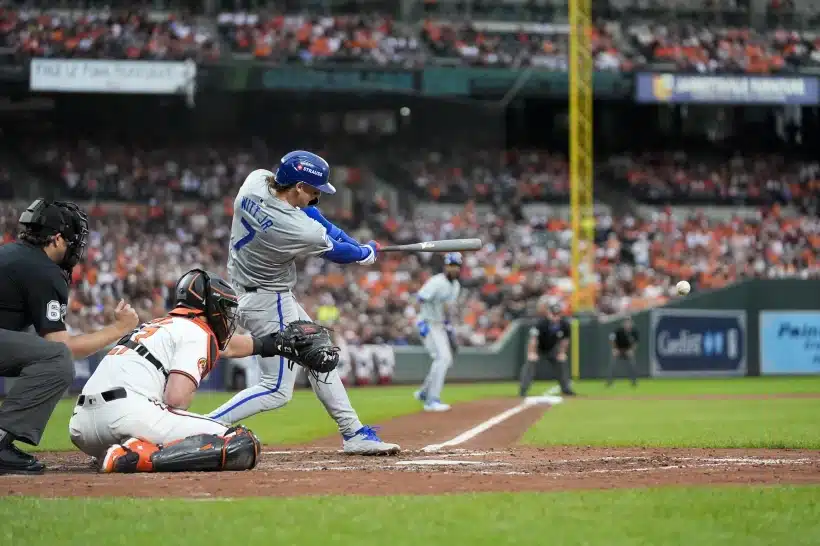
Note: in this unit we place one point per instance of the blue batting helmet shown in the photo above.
(306, 167)
(452, 258)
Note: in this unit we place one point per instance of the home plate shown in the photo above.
(444, 462)
(545, 399)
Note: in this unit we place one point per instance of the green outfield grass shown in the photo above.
(622, 420)
(651, 517)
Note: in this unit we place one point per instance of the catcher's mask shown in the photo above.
(43, 220)
(210, 295)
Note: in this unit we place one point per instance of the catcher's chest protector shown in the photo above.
(237, 450)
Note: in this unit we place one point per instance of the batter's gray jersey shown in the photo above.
(437, 292)
(267, 234)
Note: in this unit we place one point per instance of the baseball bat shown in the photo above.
(446, 245)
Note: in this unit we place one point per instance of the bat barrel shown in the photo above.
(446, 245)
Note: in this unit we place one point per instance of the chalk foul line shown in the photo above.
(493, 421)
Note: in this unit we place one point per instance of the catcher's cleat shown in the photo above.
(365, 442)
(144, 449)
(119, 459)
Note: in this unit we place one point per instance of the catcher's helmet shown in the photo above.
(208, 294)
(452, 258)
(43, 219)
(306, 167)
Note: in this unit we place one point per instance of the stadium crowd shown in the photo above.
(108, 171)
(104, 34)
(138, 253)
(619, 44)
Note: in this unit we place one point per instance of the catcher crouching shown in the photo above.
(132, 413)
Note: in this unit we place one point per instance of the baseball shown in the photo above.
(683, 288)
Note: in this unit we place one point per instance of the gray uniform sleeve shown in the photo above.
(430, 289)
(316, 240)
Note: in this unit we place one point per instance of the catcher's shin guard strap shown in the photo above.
(237, 450)
(241, 449)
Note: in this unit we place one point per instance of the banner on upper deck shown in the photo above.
(725, 89)
(102, 76)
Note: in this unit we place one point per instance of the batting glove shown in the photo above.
(423, 327)
(371, 247)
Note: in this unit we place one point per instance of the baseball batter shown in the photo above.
(275, 222)
(132, 411)
(435, 329)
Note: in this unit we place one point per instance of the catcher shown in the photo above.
(132, 411)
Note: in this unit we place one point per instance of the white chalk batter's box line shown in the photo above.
(418, 464)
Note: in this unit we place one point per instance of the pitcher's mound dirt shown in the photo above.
(489, 462)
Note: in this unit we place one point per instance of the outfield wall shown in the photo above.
(711, 347)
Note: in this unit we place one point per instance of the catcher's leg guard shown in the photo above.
(238, 449)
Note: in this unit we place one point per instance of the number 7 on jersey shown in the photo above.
(247, 238)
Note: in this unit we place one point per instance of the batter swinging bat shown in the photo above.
(446, 245)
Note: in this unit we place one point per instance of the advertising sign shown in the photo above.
(102, 76)
(790, 342)
(714, 89)
(695, 342)
(338, 79)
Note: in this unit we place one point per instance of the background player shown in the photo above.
(34, 274)
(549, 341)
(624, 342)
(140, 391)
(275, 222)
(436, 331)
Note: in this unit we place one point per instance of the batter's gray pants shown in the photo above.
(262, 313)
(630, 364)
(437, 344)
(44, 370)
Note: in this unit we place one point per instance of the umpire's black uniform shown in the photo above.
(550, 332)
(624, 341)
(33, 293)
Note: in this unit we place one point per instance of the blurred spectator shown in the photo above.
(97, 34)
(627, 39)
(297, 38)
(762, 180)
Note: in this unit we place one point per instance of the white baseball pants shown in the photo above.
(97, 425)
(261, 313)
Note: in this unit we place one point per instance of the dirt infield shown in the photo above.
(488, 462)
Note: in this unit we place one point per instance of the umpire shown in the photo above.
(34, 276)
(549, 341)
(624, 342)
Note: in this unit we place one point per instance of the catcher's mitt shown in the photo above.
(309, 345)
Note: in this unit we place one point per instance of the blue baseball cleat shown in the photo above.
(365, 442)
(420, 395)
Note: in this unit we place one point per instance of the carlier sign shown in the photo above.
(789, 342)
(693, 342)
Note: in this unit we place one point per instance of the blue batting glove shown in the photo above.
(423, 327)
(448, 326)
